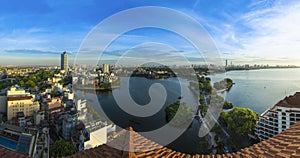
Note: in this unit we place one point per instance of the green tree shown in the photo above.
(30, 84)
(222, 118)
(204, 147)
(182, 110)
(22, 83)
(201, 85)
(227, 105)
(62, 148)
(201, 98)
(241, 121)
(203, 109)
(229, 83)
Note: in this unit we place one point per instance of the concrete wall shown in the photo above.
(3, 104)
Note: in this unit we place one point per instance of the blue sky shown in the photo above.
(244, 31)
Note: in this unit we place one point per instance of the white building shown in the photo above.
(278, 118)
(18, 100)
(98, 134)
(74, 79)
(82, 81)
(70, 95)
(80, 104)
(82, 109)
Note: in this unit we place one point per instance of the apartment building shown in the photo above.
(279, 118)
(18, 100)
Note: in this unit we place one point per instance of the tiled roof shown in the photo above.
(19, 98)
(286, 144)
(290, 101)
(6, 153)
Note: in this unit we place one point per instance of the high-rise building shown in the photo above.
(105, 68)
(64, 61)
(278, 118)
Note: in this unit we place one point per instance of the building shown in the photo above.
(54, 105)
(18, 139)
(3, 104)
(20, 101)
(130, 144)
(105, 68)
(133, 145)
(68, 125)
(64, 61)
(99, 132)
(80, 104)
(279, 118)
(38, 117)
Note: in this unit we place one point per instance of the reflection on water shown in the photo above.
(255, 89)
(138, 89)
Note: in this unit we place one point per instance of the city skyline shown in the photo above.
(245, 32)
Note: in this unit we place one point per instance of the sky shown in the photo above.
(36, 32)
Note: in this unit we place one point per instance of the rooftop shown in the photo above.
(19, 98)
(286, 144)
(292, 101)
(15, 139)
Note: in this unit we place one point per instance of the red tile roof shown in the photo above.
(6, 153)
(291, 101)
(19, 98)
(56, 108)
(286, 144)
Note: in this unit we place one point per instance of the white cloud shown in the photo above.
(271, 33)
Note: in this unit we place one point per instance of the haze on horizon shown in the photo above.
(245, 32)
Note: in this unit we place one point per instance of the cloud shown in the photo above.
(31, 52)
(270, 29)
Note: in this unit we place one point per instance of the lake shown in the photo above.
(254, 89)
(260, 89)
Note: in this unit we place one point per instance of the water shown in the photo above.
(255, 89)
(138, 89)
(260, 89)
(8, 143)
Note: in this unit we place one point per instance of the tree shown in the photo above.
(222, 118)
(201, 98)
(203, 109)
(30, 84)
(241, 121)
(22, 83)
(227, 105)
(229, 83)
(183, 111)
(62, 148)
(204, 147)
